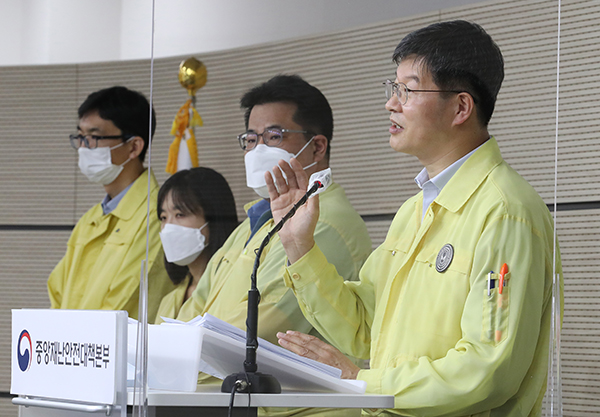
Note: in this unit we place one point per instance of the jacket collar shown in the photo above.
(470, 176)
(135, 197)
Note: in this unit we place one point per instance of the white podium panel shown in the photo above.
(78, 357)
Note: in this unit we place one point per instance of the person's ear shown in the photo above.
(320, 147)
(465, 108)
(137, 146)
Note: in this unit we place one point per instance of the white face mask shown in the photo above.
(96, 164)
(182, 245)
(263, 158)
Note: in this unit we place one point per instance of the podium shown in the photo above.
(70, 360)
(209, 401)
(74, 363)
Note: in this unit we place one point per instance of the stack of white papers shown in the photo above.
(223, 352)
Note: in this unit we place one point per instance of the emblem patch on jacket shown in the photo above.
(444, 258)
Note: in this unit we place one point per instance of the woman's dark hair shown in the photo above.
(200, 191)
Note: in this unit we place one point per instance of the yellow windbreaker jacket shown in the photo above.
(437, 341)
(101, 269)
(223, 288)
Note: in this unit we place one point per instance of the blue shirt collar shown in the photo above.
(257, 210)
(109, 204)
(259, 214)
(433, 187)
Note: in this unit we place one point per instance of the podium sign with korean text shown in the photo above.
(68, 354)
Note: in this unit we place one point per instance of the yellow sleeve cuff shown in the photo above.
(373, 378)
(306, 269)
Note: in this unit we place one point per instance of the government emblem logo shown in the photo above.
(24, 351)
(444, 258)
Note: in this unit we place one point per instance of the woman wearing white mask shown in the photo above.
(197, 213)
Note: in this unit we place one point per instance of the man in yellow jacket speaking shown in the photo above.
(454, 308)
(101, 269)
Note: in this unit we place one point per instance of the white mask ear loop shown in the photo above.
(118, 146)
(309, 165)
(303, 148)
(200, 230)
(121, 144)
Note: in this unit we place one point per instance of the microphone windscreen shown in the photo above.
(324, 177)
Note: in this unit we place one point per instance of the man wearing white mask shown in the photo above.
(101, 268)
(285, 117)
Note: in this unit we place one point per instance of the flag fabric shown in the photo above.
(186, 156)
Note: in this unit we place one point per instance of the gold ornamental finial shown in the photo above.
(192, 75)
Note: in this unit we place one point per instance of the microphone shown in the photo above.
(319, 182)
(323, 177)
(250, 380)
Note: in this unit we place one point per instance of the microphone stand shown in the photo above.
(250, 380)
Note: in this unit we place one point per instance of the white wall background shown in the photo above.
(77, 31)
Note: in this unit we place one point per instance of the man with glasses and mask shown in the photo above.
(101, 269)
(454, 308)
(285, 117)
